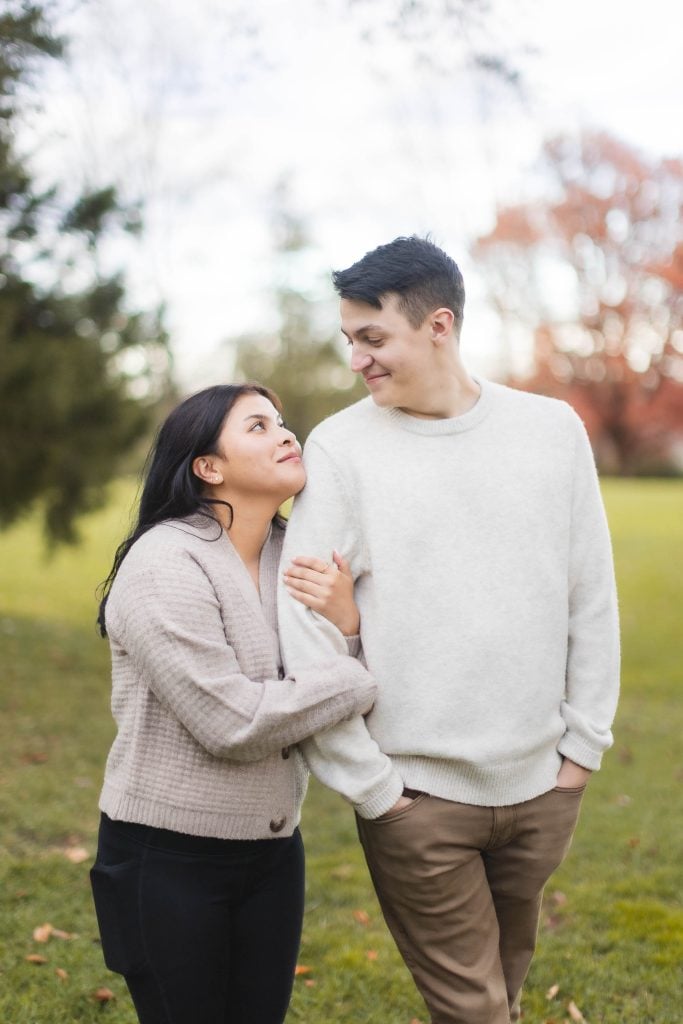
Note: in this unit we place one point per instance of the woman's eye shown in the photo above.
(260, 424)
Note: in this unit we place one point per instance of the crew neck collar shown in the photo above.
(449, 425)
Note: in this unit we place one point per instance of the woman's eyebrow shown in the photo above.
(264, 416)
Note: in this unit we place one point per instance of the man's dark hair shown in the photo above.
(423, 276)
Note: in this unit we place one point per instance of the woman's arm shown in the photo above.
(167, 619)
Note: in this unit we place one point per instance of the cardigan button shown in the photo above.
(278, 824)
(285, 753)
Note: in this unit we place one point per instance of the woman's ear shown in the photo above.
(205, 468)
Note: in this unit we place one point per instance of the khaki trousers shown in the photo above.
(460, 888)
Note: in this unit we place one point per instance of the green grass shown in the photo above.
(612, 929)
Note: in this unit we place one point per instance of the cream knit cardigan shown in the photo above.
(205, 718)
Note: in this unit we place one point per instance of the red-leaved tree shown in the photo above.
(595, 272)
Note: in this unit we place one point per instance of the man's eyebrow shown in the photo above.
(363, 330)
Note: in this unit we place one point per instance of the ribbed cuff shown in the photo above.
(576, 749)
(382, 798)
(353, 645)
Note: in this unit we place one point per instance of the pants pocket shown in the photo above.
(115, 893)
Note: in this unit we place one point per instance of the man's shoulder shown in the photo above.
(533, 406)
(345, 424)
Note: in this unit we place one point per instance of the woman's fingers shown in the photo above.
(310, 600)
(309, 562)
(341, 563)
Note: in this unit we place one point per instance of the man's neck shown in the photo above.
(457, 396)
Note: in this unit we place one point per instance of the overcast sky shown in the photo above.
(201, 109)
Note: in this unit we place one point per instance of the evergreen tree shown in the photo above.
(79, 374)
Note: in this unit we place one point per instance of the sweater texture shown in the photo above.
(485, 583)
(205, 714)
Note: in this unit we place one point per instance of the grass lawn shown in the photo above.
(612, 930)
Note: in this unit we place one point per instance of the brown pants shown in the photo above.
(460, 888)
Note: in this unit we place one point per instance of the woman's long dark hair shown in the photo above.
(171, 490)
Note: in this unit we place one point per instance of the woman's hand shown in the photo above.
(326, 588)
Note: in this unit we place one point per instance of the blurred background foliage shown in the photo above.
(81, 374)
(611, 227)
(590, 267)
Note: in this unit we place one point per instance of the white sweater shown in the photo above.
(485, 583)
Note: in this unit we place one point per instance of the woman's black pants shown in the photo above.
(205, 931)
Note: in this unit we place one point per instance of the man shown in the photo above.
(471, 517)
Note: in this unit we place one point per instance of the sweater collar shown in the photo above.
(453, 425)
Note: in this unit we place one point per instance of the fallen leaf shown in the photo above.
(103, 995)
(371, 954)
(362, 917)
(309, 983)
(65, 936)
(37, 757)
(302, 969)
(36, 958)
(415, 1021)
(42, 933)
(575, 1013)
(559, 898)
(552, 991)
(61, 973)
(77, 854)
(622, 800)
(634, 842)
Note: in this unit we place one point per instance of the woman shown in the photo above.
(198, 881)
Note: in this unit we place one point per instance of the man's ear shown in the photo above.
(206, 469)
(441, 325)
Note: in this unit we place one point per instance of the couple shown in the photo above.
(451, 538)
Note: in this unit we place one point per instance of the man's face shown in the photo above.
(395, 359)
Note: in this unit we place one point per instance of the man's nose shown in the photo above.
(360, 360)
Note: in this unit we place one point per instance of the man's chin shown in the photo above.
(382, 396)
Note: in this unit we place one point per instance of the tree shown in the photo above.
(595, 272)
(79, 373)
(302, 360)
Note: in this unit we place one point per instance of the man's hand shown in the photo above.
(403, 801)
(572, 775)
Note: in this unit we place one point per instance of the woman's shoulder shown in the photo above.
(171, 543)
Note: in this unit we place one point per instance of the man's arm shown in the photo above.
(345, 758)
(592, 685)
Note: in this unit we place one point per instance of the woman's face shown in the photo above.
(256, 454)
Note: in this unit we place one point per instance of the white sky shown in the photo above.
(202, 108)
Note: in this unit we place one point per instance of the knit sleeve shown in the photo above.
(345, 758)
(592, 683)
(166, 618)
